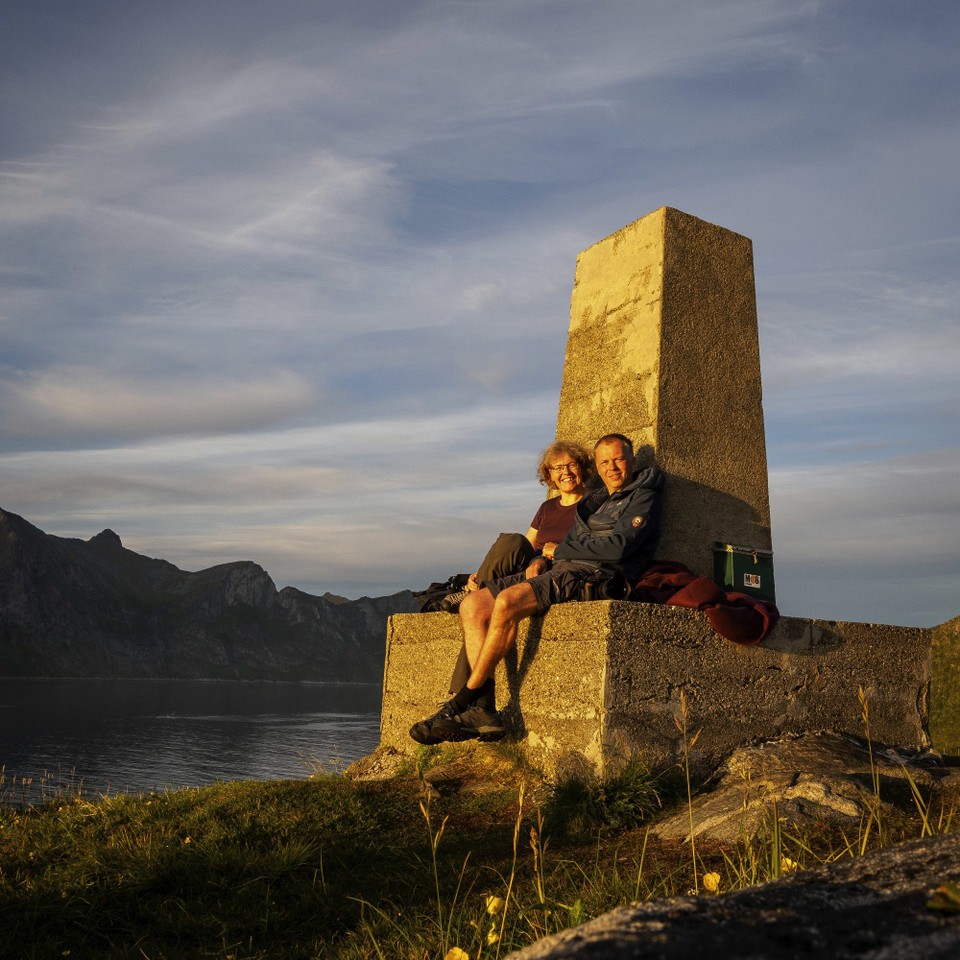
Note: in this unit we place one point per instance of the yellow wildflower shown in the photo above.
(455, 953)
(787, 865)
(494, 905)
(711, 882)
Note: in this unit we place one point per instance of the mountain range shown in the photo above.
(93, 608)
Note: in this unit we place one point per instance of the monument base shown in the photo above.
(591, 685)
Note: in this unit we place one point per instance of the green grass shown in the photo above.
(944, 689)
(467, 850)
(232, 868)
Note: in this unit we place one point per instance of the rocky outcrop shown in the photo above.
(811, 778)
(898, 902)
(882, 906)
(74, 608)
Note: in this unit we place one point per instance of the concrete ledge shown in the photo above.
(592, 684)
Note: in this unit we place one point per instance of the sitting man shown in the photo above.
(614, 532)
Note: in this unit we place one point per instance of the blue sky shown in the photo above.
(290, 281)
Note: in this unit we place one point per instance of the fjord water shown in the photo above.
(134, 736)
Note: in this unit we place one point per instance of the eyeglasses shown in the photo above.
(563, 468)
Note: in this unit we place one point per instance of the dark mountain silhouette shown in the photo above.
(75, 608)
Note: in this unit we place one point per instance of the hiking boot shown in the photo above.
(451, 602)
(449, 724)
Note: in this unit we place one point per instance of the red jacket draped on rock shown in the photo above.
(735, 616)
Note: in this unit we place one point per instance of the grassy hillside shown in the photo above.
(464, 850)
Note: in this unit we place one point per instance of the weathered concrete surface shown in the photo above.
(873, 907)
(594, 683)
(811, 778)
(663, 347)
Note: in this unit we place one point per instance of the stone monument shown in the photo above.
(663, 347)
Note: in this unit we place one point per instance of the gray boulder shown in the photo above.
(876, 907)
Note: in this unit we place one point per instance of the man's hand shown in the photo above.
(548, 549)
(471, 583)
(536, 568)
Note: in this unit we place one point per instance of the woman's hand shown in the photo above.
(471, 583)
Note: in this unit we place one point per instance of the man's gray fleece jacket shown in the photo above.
(617, 531)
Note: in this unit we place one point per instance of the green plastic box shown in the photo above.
(744, 570)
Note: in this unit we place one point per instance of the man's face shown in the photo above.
(614, 464)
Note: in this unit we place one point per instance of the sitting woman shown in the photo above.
(565, 468)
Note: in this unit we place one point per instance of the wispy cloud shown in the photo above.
(292, 282)
(80, 402)
(889, 525)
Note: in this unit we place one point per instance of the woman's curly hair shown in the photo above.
(573, 450)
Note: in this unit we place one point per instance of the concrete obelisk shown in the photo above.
(663, 347)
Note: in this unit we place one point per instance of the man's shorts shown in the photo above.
(559, 584)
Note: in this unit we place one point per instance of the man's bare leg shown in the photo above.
(490, 630)
(490, 627)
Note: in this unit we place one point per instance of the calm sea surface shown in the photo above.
(131, 736)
